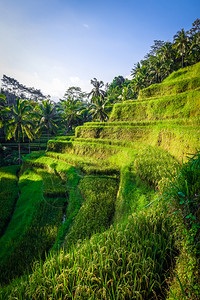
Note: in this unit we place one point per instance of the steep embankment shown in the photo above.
(165, 115)
(119, 233)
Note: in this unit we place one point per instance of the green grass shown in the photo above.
(99, 151)
(88, 165)
(182, 105)
(133, 194)
(183, 195)
(195, 121)
(129, 232)
(188, 72)
(11, 247)
(96, 213)
(178, 140)
(37, 218)
(53, 185)
(155, 166)
(170, 88)
(8, 194)
(130, 260)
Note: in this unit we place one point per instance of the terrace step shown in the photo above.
(178, 140)
(178, 82)
(183, 105)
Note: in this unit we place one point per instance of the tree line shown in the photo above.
(29, 119)
(31, 112)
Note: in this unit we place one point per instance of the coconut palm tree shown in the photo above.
(156, 67)
(98, 109)
(48, 117)
(4, 110)
(181, 44)
(96, 91)
(138, 83)
(70, 111)
(136, 69)
(19, 125)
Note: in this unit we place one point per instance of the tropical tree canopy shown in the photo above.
(96, 91)
(20, 124)
(99, 110)
(48, 116)
(166, 57)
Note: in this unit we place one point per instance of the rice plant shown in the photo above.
(8, 194)
(129, 261)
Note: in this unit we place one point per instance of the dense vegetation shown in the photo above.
(112, 212)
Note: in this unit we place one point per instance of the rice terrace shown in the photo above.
(100, 198)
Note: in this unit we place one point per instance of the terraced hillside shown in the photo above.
(165, 115)
(97, 202)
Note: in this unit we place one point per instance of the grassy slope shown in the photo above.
(8, 194)
(134, 257)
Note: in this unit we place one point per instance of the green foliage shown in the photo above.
(154, 166)
(35, 221)
(181, 74)
(48, 117)
(59, 179)
(11, 248)
(8, 194)
(109, 180)
(183, 105)
(88, 165)
(116, 264)
(75, 200)
(53, 185)
(99, 194)
(98, 109)
(133, 195)
(128, 133)
(185, 279)
(91, 149)
(170, 88)
(178, 137)
(184, 195)
(167, 57)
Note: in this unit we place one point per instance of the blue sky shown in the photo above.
(55, 44)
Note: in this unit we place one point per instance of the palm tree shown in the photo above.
(156, 67)
(138, 83)
(181, 44)
(19, 124)
(99, 110)
(166, 51)
(96, 91)
(4, 110)
(48, 117)
(70, 112)
(136, 70)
